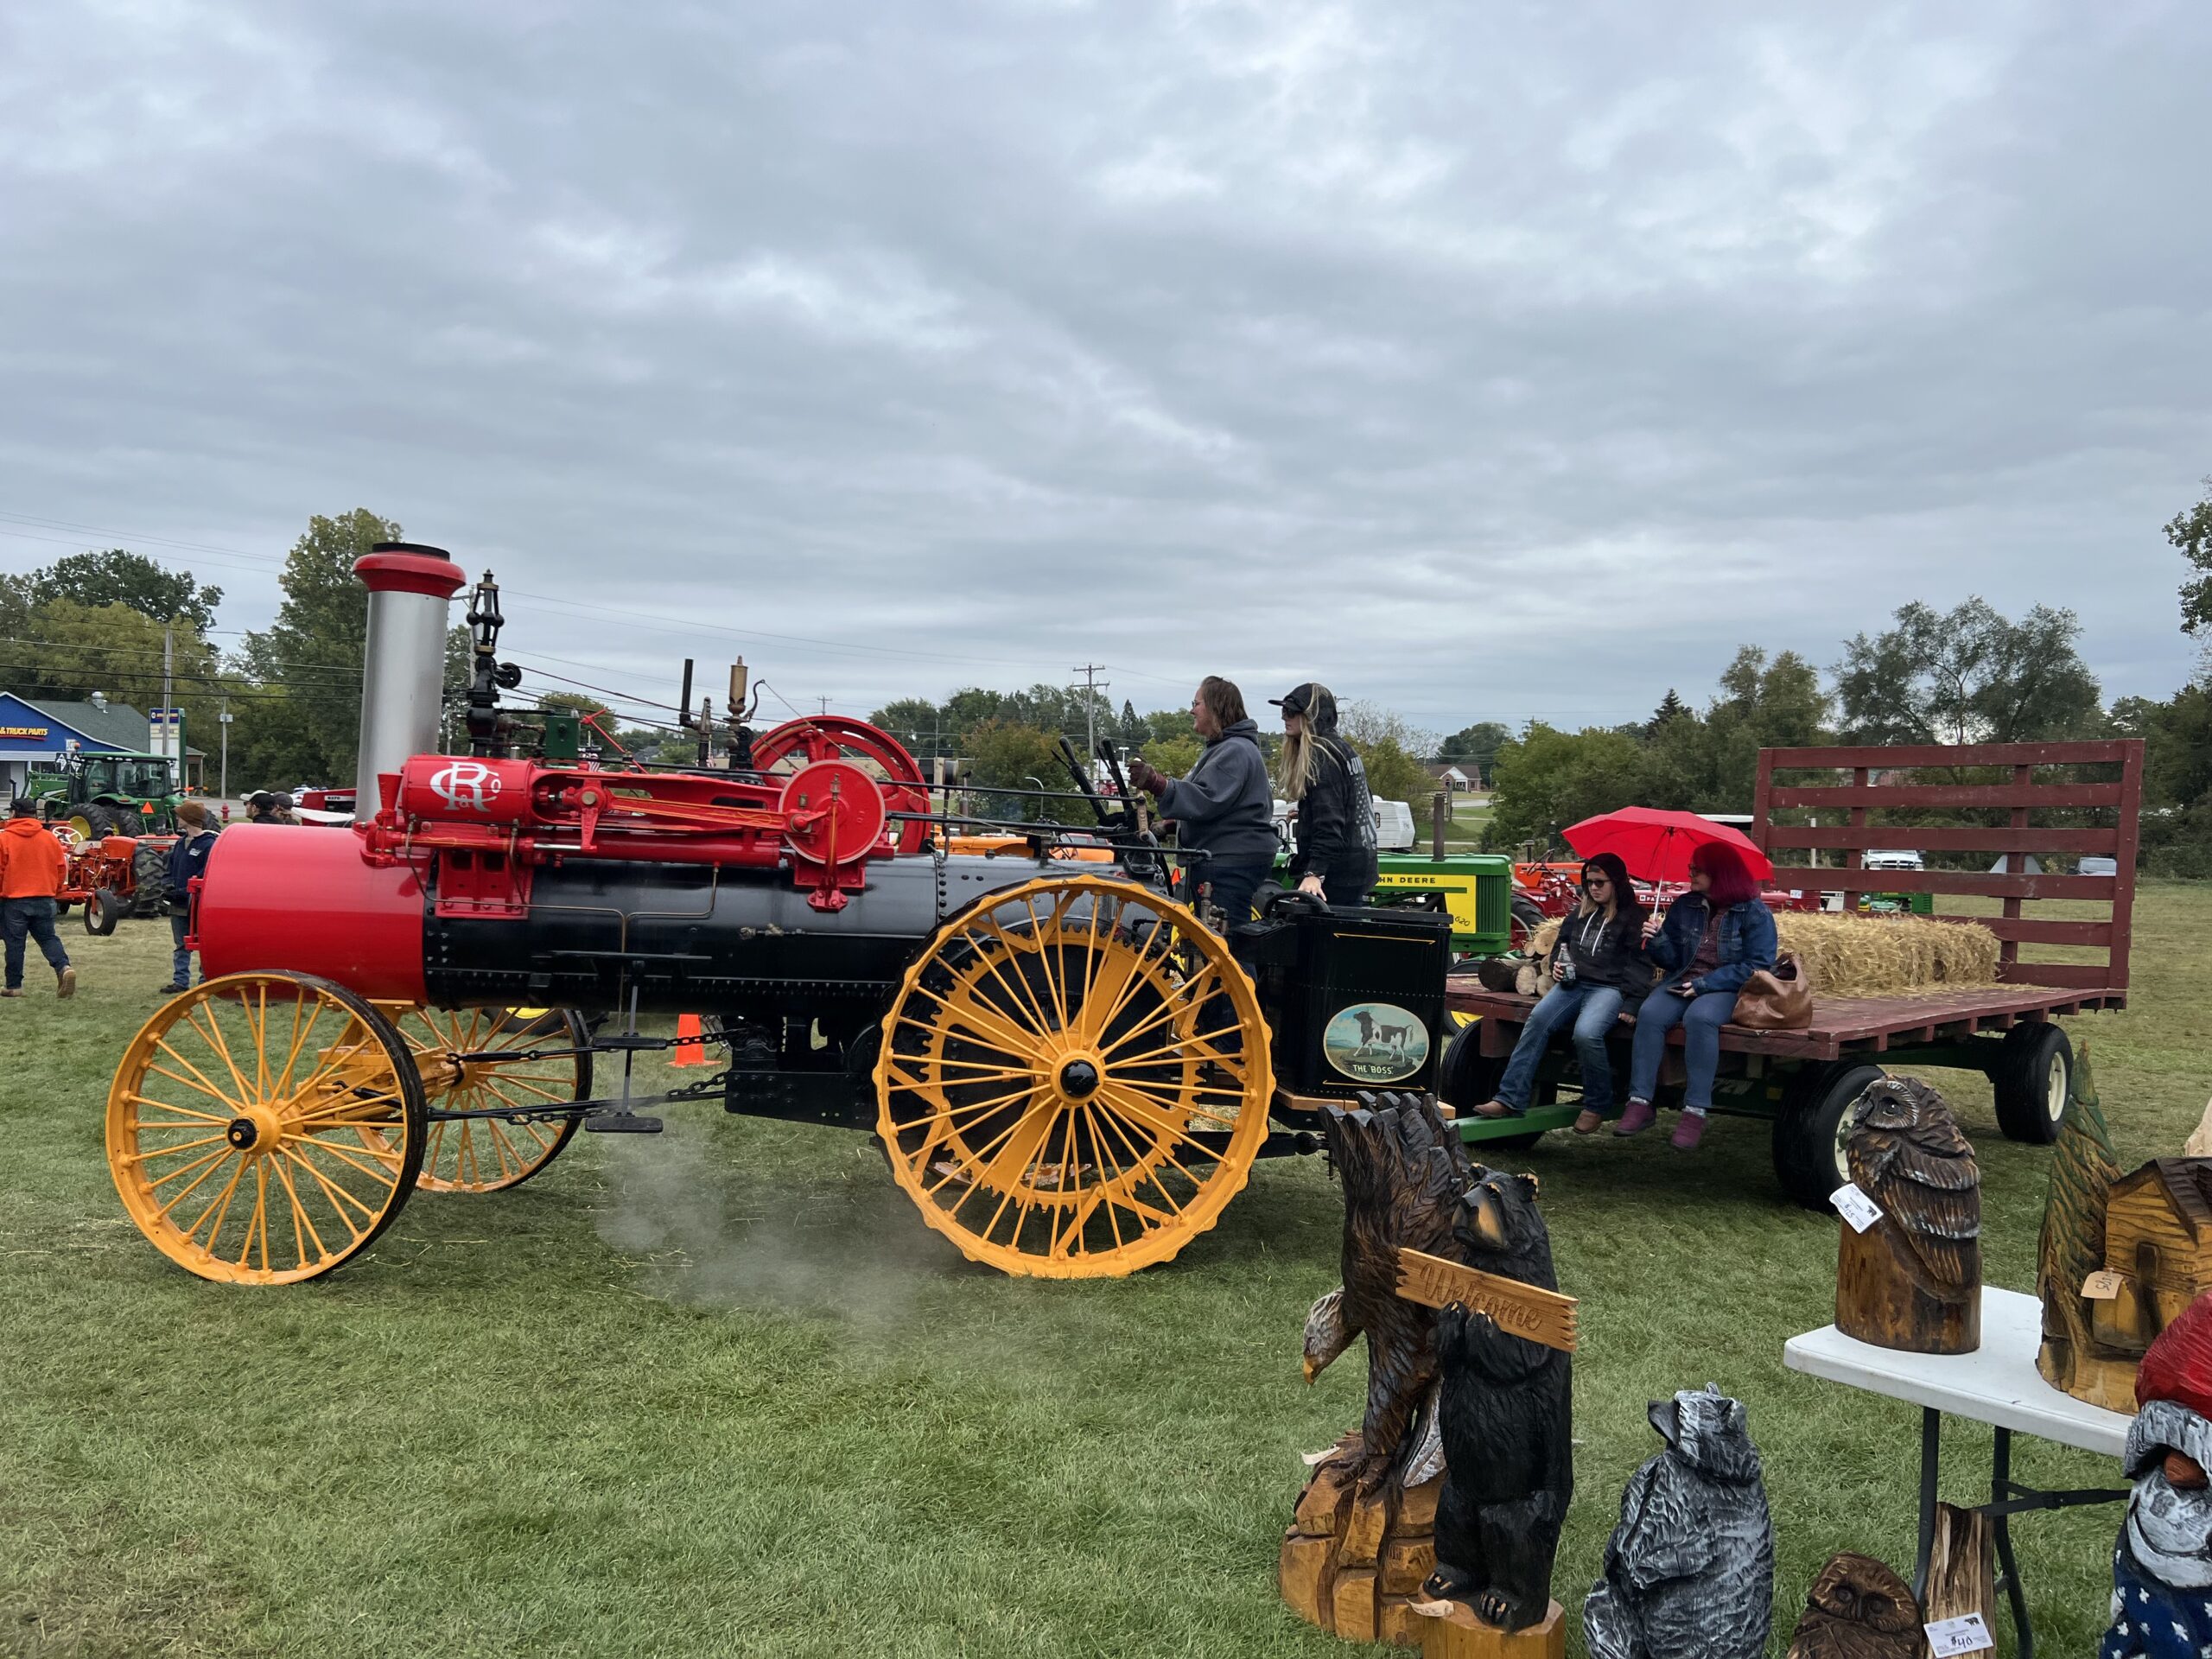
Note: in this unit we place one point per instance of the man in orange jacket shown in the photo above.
(31, 865)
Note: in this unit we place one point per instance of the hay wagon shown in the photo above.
(2014, 803)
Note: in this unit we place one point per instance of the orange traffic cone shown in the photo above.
(689, 1050)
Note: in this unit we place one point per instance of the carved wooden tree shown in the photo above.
(2072, 1245)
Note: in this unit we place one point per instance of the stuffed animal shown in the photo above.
(1689, 1572)
(1509, 1443)
(2162, 1567)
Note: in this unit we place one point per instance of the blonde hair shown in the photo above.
(1296, 766)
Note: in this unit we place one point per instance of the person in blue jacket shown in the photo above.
(1715, 937)
(1224, 806)
(188, 860)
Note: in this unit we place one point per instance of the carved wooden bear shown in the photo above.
(1508, 1437)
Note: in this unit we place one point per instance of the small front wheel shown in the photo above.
(103, 910)
(264, 1128)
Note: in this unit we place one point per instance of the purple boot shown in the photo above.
(1688, 1131)
(1637, 1119)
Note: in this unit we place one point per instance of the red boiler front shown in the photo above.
(281, 896)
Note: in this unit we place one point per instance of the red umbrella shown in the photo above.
(1657, 846)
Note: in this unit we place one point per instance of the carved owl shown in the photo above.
(1857, 1608)
(1907, 1154)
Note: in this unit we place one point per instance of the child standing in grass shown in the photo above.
(31, 865)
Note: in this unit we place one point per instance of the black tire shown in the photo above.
(103, 819)
(2034, 1077)
(1466, 1077)
(1528, 916)
(103, 910)
(150, 880)
(1809, 1134)
(61, 907)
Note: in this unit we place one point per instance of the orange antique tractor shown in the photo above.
(113, 876)
(1067, 1071)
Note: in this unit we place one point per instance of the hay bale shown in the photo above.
(1888, 955)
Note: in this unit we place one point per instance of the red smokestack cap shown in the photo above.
(410, 568)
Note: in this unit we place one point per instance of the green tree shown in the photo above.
(2191, 532)
(68, 650)
(1547, 779)
(1967, 676)
(1709, 762)
(1007, 755)
(1670, 707)
(1476, 746)
(119, 577)
(916, 722)
(1132, 729)
(311, 655)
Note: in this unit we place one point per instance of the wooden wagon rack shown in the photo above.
(1847, 797)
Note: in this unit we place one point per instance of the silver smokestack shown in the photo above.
(404, 666)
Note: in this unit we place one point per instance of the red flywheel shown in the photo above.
(813, 737)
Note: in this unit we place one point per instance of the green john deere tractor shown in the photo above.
(111, 794)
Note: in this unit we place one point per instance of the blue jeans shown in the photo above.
(1235, 882)
(1701, 1018)
(180, 958)
(29, 918)
(1593, 1009)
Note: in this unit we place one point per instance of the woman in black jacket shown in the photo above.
(1598, 965)
(1326, 783)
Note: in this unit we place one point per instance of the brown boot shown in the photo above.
(65, 983)
(1586, 1122)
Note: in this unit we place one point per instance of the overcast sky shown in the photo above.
(1486, 360)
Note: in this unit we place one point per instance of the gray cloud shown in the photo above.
(1274, 338)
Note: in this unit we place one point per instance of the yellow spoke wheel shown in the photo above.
(263, 1127)
(1074, 1079)
(490, 1154)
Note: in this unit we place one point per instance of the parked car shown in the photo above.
(1891, 858)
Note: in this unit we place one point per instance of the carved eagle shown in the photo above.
(1907, 1154)
(1403, 1169)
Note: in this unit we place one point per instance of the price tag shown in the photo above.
(2102, 1287)
(1855, 1207)
(1964, 1634)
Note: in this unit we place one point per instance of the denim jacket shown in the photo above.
(1748, 941)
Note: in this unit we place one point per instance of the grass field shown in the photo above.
(721, 1392)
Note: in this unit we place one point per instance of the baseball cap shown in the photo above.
(1296, 702)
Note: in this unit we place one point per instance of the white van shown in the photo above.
(1394, 826)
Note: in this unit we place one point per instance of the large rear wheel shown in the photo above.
(490, 1154)
(2034, 1079)
(1074, 1079)
(264, 1128)
(1814, 1126)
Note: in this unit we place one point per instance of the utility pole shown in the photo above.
(222, 776)
(1092, 685)
(824, 702)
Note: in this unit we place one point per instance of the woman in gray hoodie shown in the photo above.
(1225, 807)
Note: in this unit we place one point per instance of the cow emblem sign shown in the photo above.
(1376, 1042)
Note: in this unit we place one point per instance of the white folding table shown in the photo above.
(1997, 1384)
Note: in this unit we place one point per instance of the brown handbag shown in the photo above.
(1776, 999)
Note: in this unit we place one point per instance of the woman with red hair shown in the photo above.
(1715, 937)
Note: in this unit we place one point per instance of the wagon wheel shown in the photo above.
(811, 737)
(263, 1127)
(485, 1154)
(1074, 1079)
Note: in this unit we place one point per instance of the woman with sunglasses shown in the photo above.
(1596, 967)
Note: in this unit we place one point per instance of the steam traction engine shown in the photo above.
(1068, 1073)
